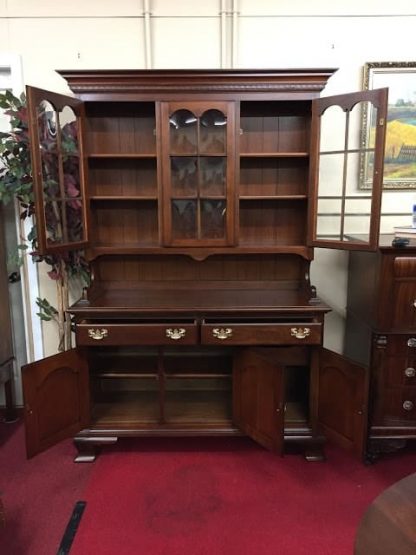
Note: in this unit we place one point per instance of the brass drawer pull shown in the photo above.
(300, 333)
(175, 333)
(408, 405)
(414, 303)
(411, 342)
(222, 333)
(410, 372)
(97, 334)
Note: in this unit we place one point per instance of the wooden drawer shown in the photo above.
(396, 404)
(104, 333)
(254, 333)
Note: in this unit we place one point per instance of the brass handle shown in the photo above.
(411, 342)
(222, 333)
(97, 334)
(300, 333)
(410, 372)
(408, 405)
(414, 303)
(175, 333)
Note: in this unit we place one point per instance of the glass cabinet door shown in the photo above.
(58, 171)
(347, 170)
(197, 144)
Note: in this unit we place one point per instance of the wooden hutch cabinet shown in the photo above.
(381, 327)
(198, 196)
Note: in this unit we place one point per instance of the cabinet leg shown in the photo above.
(88, 447)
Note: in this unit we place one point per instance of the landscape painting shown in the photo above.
(400, 152)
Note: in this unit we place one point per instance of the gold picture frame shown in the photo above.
(400, 152)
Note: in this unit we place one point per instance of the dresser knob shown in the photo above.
(410, 372)
(408, 405)
(411, 342)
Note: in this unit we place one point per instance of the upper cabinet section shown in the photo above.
(341, 215)
(198, 146)
(58, 170)
(203, 162)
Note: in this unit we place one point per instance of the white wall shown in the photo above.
(105, 34)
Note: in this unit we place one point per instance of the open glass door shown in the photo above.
(59, 171)
(344, 212)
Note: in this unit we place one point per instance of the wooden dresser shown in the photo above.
(381, 333)
(198, 196)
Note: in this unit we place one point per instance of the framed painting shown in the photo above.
(400, 151)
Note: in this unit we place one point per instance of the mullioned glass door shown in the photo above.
(198, 173)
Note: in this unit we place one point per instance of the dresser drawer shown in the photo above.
(254, 333)
(397, 405)
(103, 333)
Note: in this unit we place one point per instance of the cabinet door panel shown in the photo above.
(258, 384)
(56, 398)
(342, 401)
(59, 170)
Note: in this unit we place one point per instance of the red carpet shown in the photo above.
(227, 497)
(38, 494)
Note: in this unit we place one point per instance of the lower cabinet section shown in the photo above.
(262, 392)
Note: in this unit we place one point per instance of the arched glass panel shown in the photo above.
(183, 132)
(213, 126)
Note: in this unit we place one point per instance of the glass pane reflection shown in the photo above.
(50, 174)
(69, 131)
(184, 175)
(54, 222)
(47, 126)
(183, 132)
(213, 126)
(73, 218)
(213, 219)
(184, 224)
(213, 172)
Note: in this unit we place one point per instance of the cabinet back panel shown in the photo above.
(272, 223)
(285, 270)
(271, 176)
(123, 177)
(134, 223)
(274, 127)
(121, 128)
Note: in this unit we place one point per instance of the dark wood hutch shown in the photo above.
(198, 196)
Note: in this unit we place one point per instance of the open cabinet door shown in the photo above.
(56, 399)
(343, 401)
(59, 170)
(346, 171)
(258, 395)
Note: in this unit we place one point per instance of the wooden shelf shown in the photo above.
(202, 253)
(119, 155)
(273, 197)
(274, 154)
(124, 197)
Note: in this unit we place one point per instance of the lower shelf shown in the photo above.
(125, 409)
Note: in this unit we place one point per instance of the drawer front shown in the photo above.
(395, 406)
(261, 334)
(96, 334)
